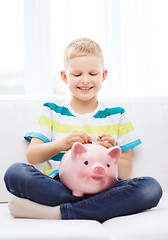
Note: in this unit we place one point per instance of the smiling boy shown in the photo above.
(83, 119)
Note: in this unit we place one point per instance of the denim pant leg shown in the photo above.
(127, 197)
(25, 181)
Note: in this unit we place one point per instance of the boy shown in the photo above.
(84, 119)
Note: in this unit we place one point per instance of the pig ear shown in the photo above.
(115, 153)
(77, 149)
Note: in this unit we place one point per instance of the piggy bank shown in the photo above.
(89, 168)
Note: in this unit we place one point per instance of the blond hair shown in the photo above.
(82, 47)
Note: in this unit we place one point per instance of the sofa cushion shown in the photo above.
(34, 229)
(150, 224)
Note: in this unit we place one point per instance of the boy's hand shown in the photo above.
(75, 136)
(106, 140)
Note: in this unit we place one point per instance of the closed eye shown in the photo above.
(77, 75)
(93, 74)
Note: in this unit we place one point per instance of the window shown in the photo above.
(11, 47)
(132, 34)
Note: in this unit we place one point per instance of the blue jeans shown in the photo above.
(126, 197)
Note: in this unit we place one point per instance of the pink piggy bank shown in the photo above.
(89, 168)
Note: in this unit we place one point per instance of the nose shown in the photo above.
(99, 170)
(85, 79)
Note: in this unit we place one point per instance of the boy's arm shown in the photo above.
(125, 165)
(39, 152)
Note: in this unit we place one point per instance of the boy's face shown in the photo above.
(84, 77)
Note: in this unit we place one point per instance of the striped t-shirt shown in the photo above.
(58, 119)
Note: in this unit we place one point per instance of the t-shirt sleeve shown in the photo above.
(42, 126)
(127, 136)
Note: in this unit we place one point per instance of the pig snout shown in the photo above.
(99, 171)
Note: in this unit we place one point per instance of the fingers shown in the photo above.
(106, 140)
(75, 136)
(81, 137)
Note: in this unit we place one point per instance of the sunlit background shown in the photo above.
(132, 33)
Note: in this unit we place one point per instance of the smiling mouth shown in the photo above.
(97, 178)
(85, 88)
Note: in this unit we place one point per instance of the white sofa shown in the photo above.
(149, 116)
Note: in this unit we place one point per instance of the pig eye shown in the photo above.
(108, 165)
(86, 162)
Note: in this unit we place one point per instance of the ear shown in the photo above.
(115, 153)
(64, 76)
(104, 75)
(77, 148)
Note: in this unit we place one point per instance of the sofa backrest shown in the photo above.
(149, 116)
